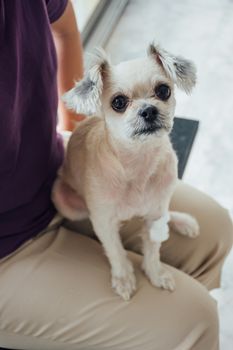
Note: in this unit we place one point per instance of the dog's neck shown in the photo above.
(139, 157)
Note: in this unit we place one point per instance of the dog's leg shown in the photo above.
(67, 202)
(184, 224)
(154, 233)
(123, 278)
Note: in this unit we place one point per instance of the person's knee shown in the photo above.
(214, 220)
(157, 319)
(197, 321)
(215, 242)
(224, 236)
(204, 321)
(219, 240)
(210, 331)
(197, 325)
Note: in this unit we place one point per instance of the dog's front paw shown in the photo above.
(184, 224)
(160, 278)
(125, 284)
(164, 280)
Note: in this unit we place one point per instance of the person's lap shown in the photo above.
(198, 257)
(60, 293)
(56, 294)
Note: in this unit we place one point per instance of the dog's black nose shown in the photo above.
(149, 113)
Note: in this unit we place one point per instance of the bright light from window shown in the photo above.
(84, 10)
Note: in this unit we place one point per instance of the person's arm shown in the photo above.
(70, 61)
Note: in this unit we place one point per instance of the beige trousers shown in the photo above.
(55, 291)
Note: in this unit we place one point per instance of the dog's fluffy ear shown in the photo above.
(85, 97)
(179, 69)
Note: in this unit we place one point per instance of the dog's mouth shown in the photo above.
(148, 130)
(157, 127)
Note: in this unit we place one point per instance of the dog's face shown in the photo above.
(136, 98)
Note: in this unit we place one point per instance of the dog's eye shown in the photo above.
(119, 103)
(163, 92)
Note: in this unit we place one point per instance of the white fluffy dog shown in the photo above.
(120, 162)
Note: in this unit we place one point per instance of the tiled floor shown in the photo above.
(202, 31)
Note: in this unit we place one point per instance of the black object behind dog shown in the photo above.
(182, 138)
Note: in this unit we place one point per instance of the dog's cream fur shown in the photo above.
(111, 175)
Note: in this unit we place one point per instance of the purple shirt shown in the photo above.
(30, 149)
